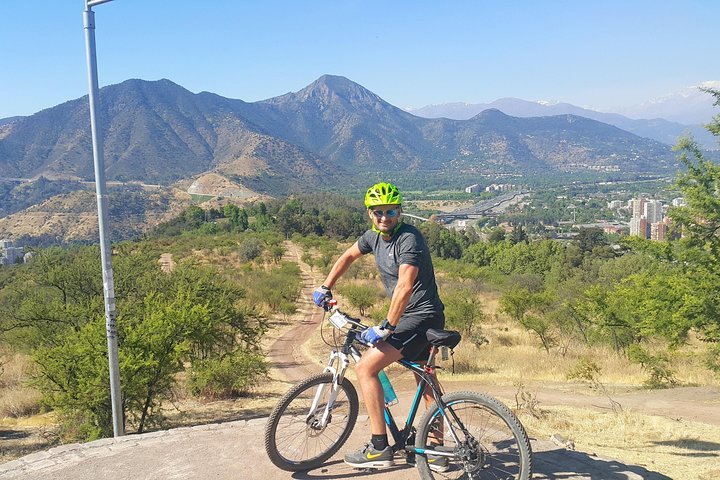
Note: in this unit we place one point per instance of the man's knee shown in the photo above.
(365, 369)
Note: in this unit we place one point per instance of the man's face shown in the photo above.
(385, 217)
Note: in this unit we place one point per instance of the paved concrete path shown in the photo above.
(235, 450)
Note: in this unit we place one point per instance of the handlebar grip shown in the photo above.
(329, 304)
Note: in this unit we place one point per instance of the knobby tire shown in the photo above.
(292, 442)
(502, 449)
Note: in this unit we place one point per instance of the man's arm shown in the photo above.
(342, 264)
(401, 295)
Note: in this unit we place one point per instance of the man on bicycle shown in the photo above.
(403, 261)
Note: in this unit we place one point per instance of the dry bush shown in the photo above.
(527, 402)
(504, 340)
(16, 399)
(19, 402)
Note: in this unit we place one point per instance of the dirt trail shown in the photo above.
(285, 354)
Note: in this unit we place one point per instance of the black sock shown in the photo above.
(380, 442)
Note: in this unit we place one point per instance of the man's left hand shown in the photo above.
(374, 334)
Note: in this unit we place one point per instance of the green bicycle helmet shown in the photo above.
(382, 193)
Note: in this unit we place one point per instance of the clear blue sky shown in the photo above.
(600, 54)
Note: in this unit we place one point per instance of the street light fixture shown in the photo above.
(101, 193)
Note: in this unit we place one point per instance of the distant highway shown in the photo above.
(15, 180)
(109, 183)
(417, 217)
(492, 206)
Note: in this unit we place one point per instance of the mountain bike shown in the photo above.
(480, 437)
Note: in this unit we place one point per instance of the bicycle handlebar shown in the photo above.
(340, 319)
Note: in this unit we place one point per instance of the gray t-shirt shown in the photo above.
(407, 246)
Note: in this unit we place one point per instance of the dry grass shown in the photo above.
(22, 431)
(678, 449)
(673, 447)
(514, 355)
(441, 205)
(16, 399)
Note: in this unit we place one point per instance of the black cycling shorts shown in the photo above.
(409, 337)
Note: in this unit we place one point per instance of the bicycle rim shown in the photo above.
(494, 445)
(295, 439)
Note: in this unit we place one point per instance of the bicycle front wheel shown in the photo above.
(302, 432)
(491, 443)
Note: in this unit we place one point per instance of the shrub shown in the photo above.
(232, 375)
(712, 360)
(463, 312)
(250, 249)
(361, 296)
(661, 375)
(585, 369)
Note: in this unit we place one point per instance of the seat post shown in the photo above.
(431, 357)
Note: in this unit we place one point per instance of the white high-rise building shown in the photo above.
(637, 207)
(639, 227)
(678, 202)
(653, 211)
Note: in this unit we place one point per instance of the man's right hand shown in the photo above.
(321, 295)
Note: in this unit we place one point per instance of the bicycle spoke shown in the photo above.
(295, 437)
(488, 447)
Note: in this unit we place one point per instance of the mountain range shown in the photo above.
(656, 127)
(159, 132)
(689, 106)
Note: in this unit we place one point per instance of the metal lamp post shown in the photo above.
(101, 193)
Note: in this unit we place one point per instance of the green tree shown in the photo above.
(276, 288)
(443, 242)
(496, 235)
(464, 312)
(590, 238)
(699, 251)
(276, 253)
(530, 310)
(516, 303)
(194, 216)
(238, 217)
(518, 234)
(164, 321)
(360, 296)
(250, 249)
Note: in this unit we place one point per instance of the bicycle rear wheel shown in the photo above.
(295, 440)
(492, 442)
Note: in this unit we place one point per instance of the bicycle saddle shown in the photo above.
(443, 338)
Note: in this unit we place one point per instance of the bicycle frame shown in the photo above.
(425, 372)
(338, 362)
